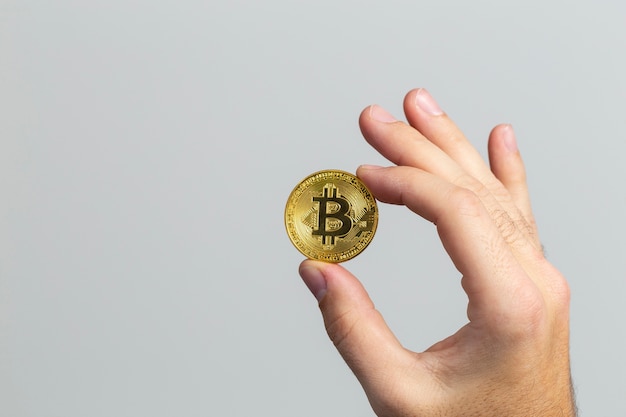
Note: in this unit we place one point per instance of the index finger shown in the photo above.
(492, 277)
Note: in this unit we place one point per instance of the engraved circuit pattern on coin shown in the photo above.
(331, 216)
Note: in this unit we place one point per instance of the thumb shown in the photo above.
(357, 329)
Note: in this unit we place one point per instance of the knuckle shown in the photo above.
(558, 289)
(466, 202)
(342, 326)
(526, 317)
(505, 224)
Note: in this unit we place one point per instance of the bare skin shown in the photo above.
(512, 357)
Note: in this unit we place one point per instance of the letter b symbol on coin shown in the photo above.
(332, 216)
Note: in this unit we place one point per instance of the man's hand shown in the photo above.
(512, 357)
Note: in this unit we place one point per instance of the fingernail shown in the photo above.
(381, 115)
(371, 167)
(426, 102)
(314, 280)
(509, 138)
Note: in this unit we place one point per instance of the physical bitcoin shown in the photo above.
(331, 216)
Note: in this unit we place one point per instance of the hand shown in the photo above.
(512, 357)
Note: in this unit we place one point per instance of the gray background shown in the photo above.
(148, 147)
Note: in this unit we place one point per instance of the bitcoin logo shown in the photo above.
(332, 220)
(331, 216)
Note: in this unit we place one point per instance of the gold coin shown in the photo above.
(331, 216)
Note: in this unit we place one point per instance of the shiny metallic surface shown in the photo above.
(331, 216)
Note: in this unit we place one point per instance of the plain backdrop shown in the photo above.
(147, 149)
